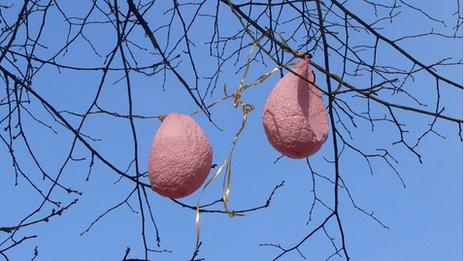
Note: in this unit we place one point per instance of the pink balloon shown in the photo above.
(180, 157)
(295, 119)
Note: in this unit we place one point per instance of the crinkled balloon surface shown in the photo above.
(180, 157)
(295, 119)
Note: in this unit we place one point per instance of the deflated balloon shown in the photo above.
(295, 119)
(180, 157)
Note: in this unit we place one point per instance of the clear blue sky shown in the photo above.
(425, 218)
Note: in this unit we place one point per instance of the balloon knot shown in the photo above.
(161, 117)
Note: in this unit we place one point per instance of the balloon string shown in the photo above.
(226, 165)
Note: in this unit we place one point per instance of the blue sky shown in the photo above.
(425, 218)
